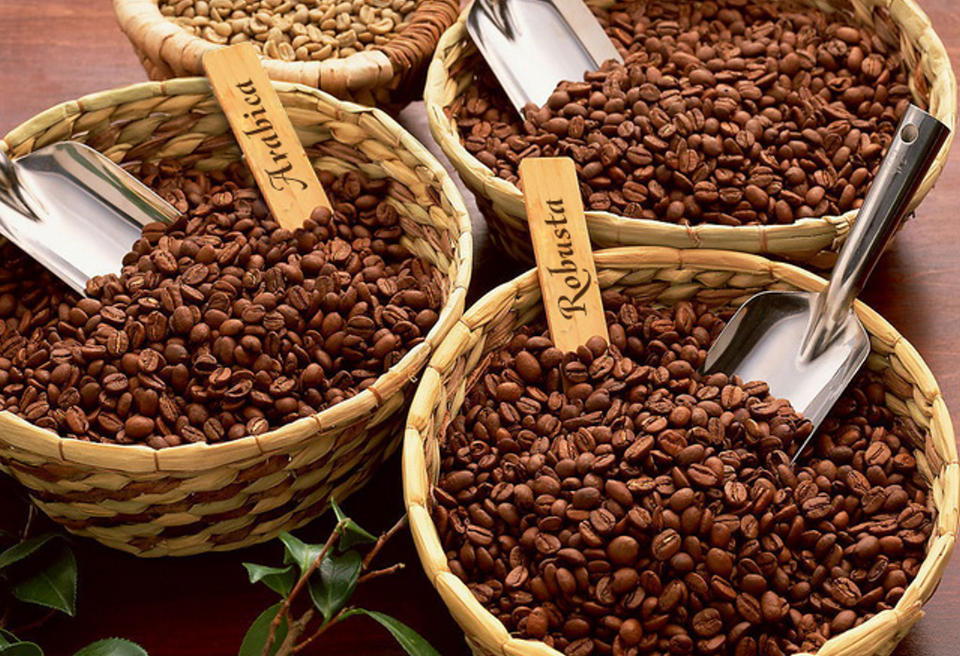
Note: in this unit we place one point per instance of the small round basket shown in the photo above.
(899, 23)
(204, 497)
(388, 76)
(664, 276)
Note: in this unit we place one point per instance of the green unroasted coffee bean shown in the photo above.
(286, 30)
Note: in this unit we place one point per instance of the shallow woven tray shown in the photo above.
(390, 75)
(664, 276)
(900, 23)
(199, 497)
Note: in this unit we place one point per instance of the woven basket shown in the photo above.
(665, 276)
(202, 497)
(900, 23)
(389, 76)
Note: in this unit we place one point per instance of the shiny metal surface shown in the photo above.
(808, 346)
(74, 210)
(533, 45)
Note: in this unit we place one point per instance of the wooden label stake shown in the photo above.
(265, 134)
(565, 266)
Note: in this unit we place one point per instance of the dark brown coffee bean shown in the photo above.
(665, 545)
(623, 550)
(719, 562)
(479, 536)
(844, 591)
(537, 623)
(586, 498)
(697, 125)
(748, 606)
(149, 361)
(672, 518)
(189, 342)
(138, 426)
(772, 606)
(707, 622)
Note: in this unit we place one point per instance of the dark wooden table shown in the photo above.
(56, 50)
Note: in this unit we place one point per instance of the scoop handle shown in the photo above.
(911, 154)
(11, 192)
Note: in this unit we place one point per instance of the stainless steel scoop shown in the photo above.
(75, 211)
(808, 346)
(533, 45)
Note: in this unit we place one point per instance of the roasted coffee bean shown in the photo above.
(672, 521)
(722, 112)
(623, 550)
(665, 545)
(707, 623)
(221, 325)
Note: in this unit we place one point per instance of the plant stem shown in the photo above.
(31, 514)
(377, 573)
(382, 540)
(288, 601)
(296, 629)
(296, 626)
(36, 623)
(320, 631)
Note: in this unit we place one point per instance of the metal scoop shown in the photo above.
(533, 45)
(74, 211)
(808, 346)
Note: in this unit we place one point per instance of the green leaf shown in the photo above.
(336, 583)
(299, 552)
(21, 649)
(7, 638)
(53, 584)
(259, 631)
(352, 533)
(278, 579)
(19, 551)
(412, 642)
(112, 647)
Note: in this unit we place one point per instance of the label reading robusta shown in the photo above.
(576, 280)
(567, 273)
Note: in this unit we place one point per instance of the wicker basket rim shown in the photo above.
(702, 258)
(140, 457)
(447, 137)
(633, 258)
(154, 17)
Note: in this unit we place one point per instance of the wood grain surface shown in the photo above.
(56, 50)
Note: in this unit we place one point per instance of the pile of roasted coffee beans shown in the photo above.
(728, 112)
(222, 325)
(649, 509)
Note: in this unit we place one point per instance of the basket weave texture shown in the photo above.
(203, 497)
(665, 276)
(389, 76)
(899, 23)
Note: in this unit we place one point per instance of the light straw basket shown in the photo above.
(203, 497)
(899, 23)
(665, 276)
(390, 75)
